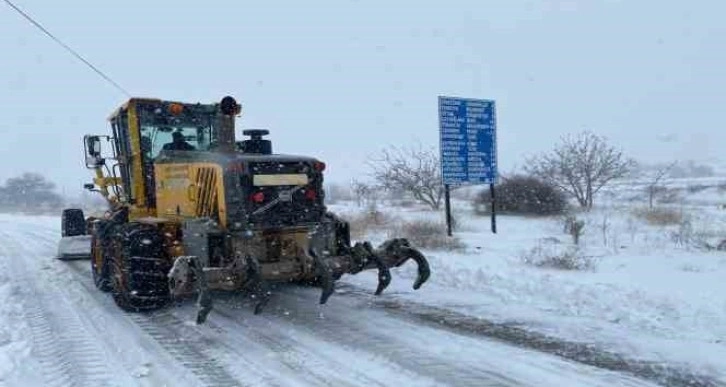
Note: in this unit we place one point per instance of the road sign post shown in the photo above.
(494, 209)
(447, 203)
(467, 133)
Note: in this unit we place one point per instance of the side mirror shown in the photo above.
(92, 145)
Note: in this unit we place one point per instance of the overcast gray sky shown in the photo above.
(341, 79)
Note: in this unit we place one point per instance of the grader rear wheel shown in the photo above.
(139, 268)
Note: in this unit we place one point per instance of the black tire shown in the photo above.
(73, 222)
(341, 229)
(138, 268)
(341, 232)
(100, 245)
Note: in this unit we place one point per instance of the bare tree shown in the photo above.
(413, 170)
(581, 165)
(654, 187)
(29, 191)
(362, 191)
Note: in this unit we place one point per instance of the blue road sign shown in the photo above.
(468, 140)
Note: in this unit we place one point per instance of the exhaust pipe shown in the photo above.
(226, 139)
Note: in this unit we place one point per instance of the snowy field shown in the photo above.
(647, 308)
(650, 295)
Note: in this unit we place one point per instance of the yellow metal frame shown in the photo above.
(196, 193)
(136, 170)
(138, 190)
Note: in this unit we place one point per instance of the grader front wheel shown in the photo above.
(139, 268)
(100, 257)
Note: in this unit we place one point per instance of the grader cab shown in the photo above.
(191, 209)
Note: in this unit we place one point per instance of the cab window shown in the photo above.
(154, 139)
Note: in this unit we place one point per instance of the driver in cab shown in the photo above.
(178, 143)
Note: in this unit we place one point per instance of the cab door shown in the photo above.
(123, 152)
(136, 171)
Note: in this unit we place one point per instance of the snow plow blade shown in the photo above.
(74, 247)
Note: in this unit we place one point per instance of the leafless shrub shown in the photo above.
(656, 192)
(699, 241)
(660, 216)
(683, 235)
(689, 237)
(363, 192)
(654, 188)
(571, 258)
(574, 227)
(523, 195)
(426, 234)
(581, 166)
(363, 223)
(696, 188)
(670, 196)
(413, 170)
(359, 226)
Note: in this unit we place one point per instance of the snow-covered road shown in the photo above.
(56, 329)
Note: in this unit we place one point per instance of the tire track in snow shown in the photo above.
(315, 367)
(255, 351)
(375, 341)
(174, 335)
(166, 330)
(162, 327)
(408, 344)
(68, 357)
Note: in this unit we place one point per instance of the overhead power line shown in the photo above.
(72, 51)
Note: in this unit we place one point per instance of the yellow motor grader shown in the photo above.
(191, 209)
